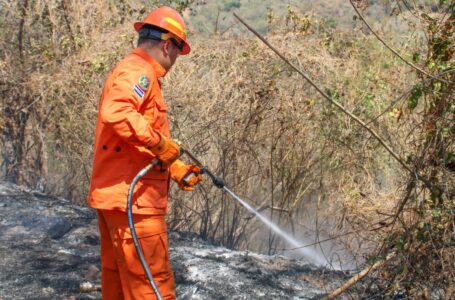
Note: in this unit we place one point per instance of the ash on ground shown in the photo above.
(49, 249)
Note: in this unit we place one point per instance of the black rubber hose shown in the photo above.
(129, 209)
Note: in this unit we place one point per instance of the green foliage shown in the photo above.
(416, 94)
(368, 100)
(231, 4)
(330, 22)
(428, 235)
(399, 244)
(423, 233)
(449, 158)
(180, 5)
(299, 23)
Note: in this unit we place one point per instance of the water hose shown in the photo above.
(129, 209)
(217, 181)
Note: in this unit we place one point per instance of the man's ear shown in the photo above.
(166, 45)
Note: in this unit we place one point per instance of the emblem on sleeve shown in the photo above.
(144, 82)
(139, 92)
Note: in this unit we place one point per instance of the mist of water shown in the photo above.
(309, 253)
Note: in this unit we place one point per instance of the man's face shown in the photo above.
(172, 50)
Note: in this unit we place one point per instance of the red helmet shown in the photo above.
(169, 19)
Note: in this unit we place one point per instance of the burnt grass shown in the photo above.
(49, 247)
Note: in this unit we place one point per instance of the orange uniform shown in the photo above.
(131, 109)
(131, 112)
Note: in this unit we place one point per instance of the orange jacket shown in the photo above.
(131, 109)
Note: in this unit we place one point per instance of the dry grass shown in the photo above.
(233, 103)
(241, 110)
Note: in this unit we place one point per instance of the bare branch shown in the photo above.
(333, 101)
(406, 94)
(344, 110)
(391, 49)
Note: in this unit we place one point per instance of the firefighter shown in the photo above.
(131, 131)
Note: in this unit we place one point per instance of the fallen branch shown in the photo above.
(359, 276)
(356, 278)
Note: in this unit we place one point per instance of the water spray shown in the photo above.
(219, 183)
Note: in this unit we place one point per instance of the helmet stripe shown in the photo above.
(175, 24)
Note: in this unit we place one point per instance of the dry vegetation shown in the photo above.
(261, 127)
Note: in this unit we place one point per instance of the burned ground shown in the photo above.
(49, 250)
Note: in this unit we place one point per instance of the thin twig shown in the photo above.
(332, 238)
(390, 48)
(406, 94)
(344, 110)
(408, 7)
(20, 35)
(333, 101)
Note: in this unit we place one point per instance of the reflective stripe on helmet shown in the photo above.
(175, 24)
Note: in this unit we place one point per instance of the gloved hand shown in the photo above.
(179, 170)
(166, 150)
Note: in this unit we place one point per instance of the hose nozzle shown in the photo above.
(218, 182)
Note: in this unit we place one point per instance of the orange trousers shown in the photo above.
(122, 275)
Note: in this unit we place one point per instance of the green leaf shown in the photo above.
(416, 94)
(422, 233)
(427, 17)
(449, 157)
(400, 244)
(436, 213)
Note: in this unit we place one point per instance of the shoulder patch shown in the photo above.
(144, 82)
(138, 91)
